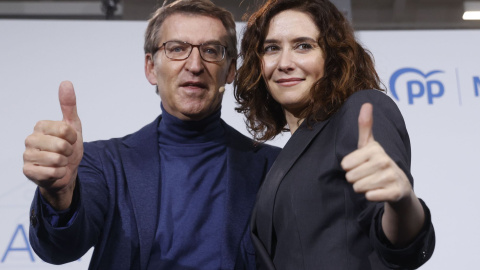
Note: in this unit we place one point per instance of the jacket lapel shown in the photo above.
(243, 173)
(295, 146)
(142, 174)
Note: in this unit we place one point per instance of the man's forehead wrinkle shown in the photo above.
(179, 35)
(181, 28)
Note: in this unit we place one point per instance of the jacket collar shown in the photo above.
(143, 179)
(243, 173)
(262, 218)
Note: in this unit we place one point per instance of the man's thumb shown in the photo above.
(68, 104)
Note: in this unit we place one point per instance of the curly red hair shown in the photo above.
(348, 68)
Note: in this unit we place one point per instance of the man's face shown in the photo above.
(189, 88)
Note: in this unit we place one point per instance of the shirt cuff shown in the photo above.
(61, 218)
(412, 256)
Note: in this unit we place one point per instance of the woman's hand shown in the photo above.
(370, 170)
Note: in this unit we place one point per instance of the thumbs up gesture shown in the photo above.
(370, 170)
(54, 150)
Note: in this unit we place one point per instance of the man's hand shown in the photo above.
(370, 169)
(54, 150)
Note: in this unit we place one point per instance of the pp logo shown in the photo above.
(416, 88)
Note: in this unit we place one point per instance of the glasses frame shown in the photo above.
(191, 49)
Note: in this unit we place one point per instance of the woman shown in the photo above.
(340, 194)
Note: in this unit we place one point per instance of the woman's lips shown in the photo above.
(289, 81)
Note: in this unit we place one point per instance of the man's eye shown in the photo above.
(210, 50)
(177, 49)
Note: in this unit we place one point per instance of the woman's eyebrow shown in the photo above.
(298, 39)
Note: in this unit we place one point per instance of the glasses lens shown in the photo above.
(212, 52)
(181, 50)
(177, 50)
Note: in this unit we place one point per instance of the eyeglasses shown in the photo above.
(179, 50)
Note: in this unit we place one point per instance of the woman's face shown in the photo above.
(292, 61)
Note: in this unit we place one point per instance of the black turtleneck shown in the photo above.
(193, 159)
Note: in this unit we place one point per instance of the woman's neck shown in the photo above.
(292, 121)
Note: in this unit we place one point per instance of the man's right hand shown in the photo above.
(54, 150)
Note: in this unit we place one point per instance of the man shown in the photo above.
(178, 193)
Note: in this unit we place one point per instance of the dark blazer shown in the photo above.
(307, 215)
(117, 208)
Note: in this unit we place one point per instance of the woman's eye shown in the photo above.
(271, 49)
(304, 46)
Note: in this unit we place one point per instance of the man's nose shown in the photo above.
(194, 63)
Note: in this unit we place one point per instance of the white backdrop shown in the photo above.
(434, 77)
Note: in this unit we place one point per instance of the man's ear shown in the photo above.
(150, 72)
(231, 71)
